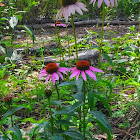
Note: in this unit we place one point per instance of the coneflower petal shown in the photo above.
(56, 76)
(60, 13)
(62, 71)
(100, 3)
(63, 68)
(60, 75)
(53, 79)
(78, 9)
(73, 74)
(91, 74)
(83, 75)
(72, 10)
(78, 75)
(47, 78)
(93, 1)
(112, 2)
(107, 2)
(82, 6)
(95, 69)
(65, 14)
(43, 71)
(42, 74)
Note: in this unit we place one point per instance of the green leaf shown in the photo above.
(108, 59)
(69, 109)
(74, 134)
(109, 137)
(19, 17)
(66, 84)
(79, 84)
(74, 106)
(10, 112)
(122, 61)
(79, 96)
(65, 122)
(3, 138)
(29, 31)
(104, 102)
(91, 100)
(57, 137)
(56, 102)
(102, 119)
(17, 132)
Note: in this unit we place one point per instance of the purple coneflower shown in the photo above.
(69, 7)
(107, 2)
(83, 67)
(58, 24)
(54, 71)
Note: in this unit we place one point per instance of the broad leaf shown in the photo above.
(66, 84)
(17, 132)
(102, 119)
(79, 84)
(29, 31)
(91, 100)
(57, 137)
(3, 138)
(104, 102)
(74, 134)
(79, 96)
(65, 122)
(10, 112)
(108, 59)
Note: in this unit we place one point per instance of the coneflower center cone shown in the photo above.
(67, 2)
(83, 65)
(51, 68)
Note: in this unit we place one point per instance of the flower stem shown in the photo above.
(102, 34)
(58, 98)
(51, 119)
(4, 133)
(73, 26)
(80, 125)
(11, 117)
(84, 113)
(59, 41)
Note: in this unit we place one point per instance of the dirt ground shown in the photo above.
(110, 32)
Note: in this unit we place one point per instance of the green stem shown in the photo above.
(102, 34)
(74, 37)
(58, 98)
(42, 54)
(11, 117)
(51, 119)
(68, 40)
(84, 112)
(80, 125)
(5, 135)
(59, 41)
(12, 39)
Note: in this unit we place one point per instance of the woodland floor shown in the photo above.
(81, 31)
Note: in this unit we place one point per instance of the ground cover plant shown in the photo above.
(72, 97)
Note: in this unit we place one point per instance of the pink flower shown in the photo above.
(1, 4)
(58, 24)
(54, 71)
(83, 67)
(107, 2)
(69, 7)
